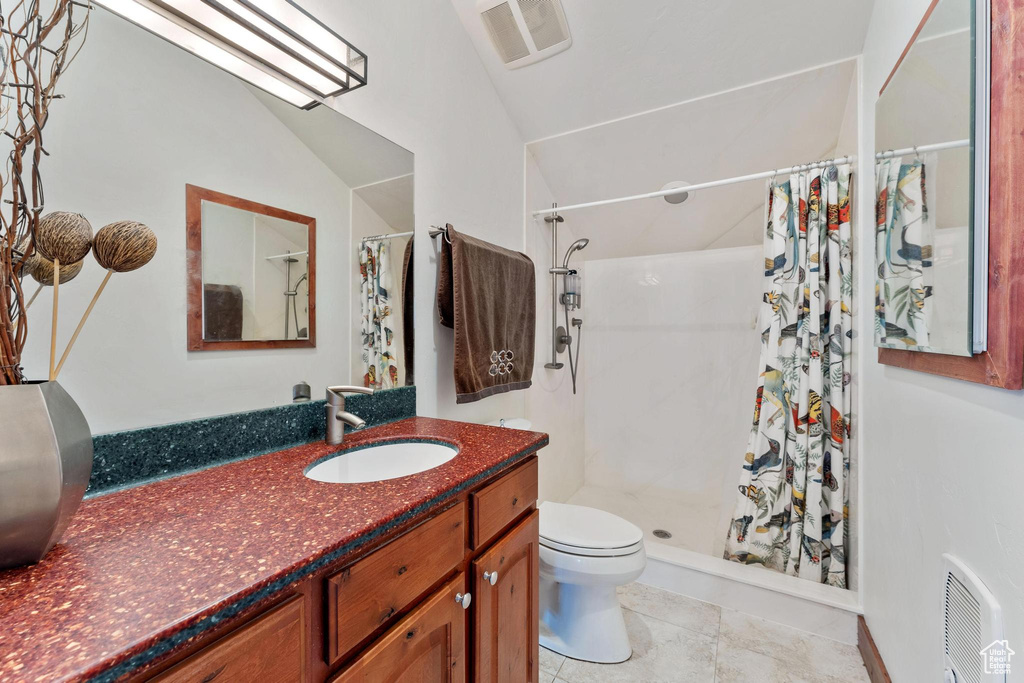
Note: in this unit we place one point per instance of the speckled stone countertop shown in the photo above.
(142, 570)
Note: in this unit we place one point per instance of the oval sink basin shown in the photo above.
(377, 463)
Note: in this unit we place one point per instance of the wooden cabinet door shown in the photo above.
(505, 626)
(427, 646)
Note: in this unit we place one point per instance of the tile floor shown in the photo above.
(678, 639)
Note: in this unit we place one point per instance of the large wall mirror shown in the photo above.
(931, 173)
(285, 204)
(252, 274)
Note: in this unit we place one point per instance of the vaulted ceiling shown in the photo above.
(787, 121)
(628, 57)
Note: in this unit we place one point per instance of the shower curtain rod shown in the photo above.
(291, 253)
(753, 176)
(387, 236)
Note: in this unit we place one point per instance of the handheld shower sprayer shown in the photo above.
(578, 245)
(571, 279)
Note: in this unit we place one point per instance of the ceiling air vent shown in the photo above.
(525, 31)
(974, 645)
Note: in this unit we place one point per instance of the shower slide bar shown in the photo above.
(755, 176)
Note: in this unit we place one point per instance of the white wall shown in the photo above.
(550, 404)
(671, 370)
(941, 461)
(429, 93)
(141, 119)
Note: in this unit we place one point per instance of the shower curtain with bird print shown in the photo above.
(904, 239)
(791, 509)
(380, 361)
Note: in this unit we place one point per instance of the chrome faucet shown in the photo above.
(338, 417)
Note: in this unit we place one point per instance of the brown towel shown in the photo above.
(488, 296)
(222, 312)
(408, 323)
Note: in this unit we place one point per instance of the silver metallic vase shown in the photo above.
(45, 463)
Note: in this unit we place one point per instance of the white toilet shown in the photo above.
(584, 555)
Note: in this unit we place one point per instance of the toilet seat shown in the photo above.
(588, 532)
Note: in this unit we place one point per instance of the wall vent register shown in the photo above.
(973, 633)
(525, 31)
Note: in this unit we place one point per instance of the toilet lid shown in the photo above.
(587, 531)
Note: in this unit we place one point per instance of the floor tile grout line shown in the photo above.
(560, 664)
(718, 642)
(671, 623)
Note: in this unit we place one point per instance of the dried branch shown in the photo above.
(36, 47)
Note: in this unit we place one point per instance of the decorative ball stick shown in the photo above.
(119, 247)
(41, 271)
(65, 237)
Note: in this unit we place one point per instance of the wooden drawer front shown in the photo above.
(363, 597)
(271, 647)
(497, 505)
(427, 646)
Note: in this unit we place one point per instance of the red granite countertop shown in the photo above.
(141, 570)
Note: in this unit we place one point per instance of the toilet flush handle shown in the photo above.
(491, 577)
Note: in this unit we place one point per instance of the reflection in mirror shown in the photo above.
(147, 119)
(258, 269)
(382, 229)
(931, 190)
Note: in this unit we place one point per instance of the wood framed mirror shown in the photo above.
(251, 274)
(1001, 363)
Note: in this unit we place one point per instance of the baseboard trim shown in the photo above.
(869, 653)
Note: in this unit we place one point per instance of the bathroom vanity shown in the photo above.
(251, 571)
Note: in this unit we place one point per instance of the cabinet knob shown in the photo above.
(491, 577)
(464, 599)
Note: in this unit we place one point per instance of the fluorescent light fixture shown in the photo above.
(302, 25)
(301, 62)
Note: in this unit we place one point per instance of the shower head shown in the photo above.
(574, 247)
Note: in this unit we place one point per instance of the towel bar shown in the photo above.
(435, 231)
